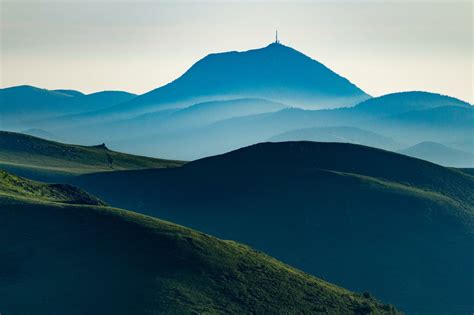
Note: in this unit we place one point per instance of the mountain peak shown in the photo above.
(275, 72)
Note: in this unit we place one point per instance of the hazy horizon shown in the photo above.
(381, 47)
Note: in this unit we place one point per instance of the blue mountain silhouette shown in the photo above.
(275, 72)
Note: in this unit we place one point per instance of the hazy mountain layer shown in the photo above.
(163, 122)
(21, 106)
(337, 134)
(440, 154)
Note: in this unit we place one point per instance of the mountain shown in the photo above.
(440, 154)
(60, 258)
(402, 102)
(210, 112)
(337, 134)
(275, 72)
(73, 93)
(20, 106)
(51, 161)
(363, 218)
(26, 102)
(163, 122)
(40, 133)
(448, 120)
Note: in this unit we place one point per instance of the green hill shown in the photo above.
(49, 161)
(12, 186)
(59, 258)
(363, 218)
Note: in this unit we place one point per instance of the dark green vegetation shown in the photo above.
(469, 171)
(363, 218)
(58, 258)
(52, 161)
(14, 187)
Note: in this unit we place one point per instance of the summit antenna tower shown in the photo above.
(276, 37)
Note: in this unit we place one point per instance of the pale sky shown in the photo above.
(380, 46)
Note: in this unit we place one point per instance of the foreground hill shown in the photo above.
(47, 160)
(441, 154)
(59, 258)
(363, 218)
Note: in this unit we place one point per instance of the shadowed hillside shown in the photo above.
(50, 161)
(404, 225)
(59, 258)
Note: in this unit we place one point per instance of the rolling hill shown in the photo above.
(46, 160)
(60, 258)
(362, 218)
(440, 154)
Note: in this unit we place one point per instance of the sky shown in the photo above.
(380, 46)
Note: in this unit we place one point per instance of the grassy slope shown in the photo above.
(363, 218)
(48, 160)
(12, 187)
(468, 171)
(76, 259)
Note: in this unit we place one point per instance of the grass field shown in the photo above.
(41, 159)
(363, 218)
(75, 259)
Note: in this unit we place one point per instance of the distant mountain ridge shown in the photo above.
(337, 134)
(401, 102)
(22, 105)
(440, 154)
(406, 118)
